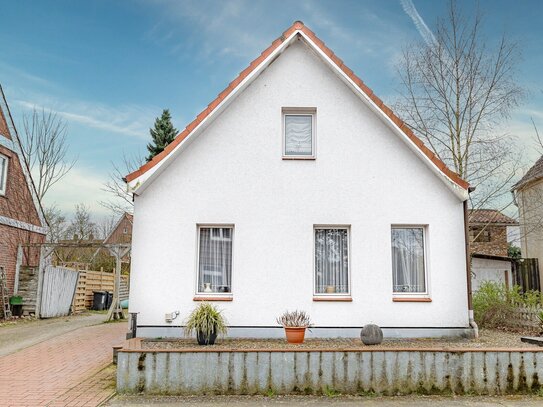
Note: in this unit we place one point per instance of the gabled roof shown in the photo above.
(489, 216)
(147, 172)
(534, 173)
(126, 215)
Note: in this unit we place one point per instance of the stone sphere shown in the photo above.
(371, 335)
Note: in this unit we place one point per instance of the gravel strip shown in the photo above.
(487, 339)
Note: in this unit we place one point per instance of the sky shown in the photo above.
(108, 68)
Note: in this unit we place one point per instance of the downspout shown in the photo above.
(472, 322)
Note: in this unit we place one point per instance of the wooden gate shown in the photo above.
(526, 274)
(58, 291)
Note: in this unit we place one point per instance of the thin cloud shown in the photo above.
(421, 26)
(80, 185)
(12, 71)
(223, 32)
(125, 120)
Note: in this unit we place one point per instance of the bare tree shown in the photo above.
(45, 148)
(105, 225)
(529, 197)
(455, 92)
(57, 224)
(121, 199)
(82, 227)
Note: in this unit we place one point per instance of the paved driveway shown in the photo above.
(70, 369)
(20, 335)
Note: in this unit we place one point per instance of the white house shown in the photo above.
(297, 188)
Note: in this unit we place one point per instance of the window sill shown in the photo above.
(212, 298)
(286, 157)
(411, 299)
(332, 299)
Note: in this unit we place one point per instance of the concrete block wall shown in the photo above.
(314, 372)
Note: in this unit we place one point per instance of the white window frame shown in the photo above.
(213, 294)
(426, 293)
(348, 294)
(299, 111)
(4, 176)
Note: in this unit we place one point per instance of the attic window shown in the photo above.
(299, 133)
(3, 173)
(480, 234)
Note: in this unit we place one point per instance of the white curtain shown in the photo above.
(298, 135)
(331, 261)
(3, 165)
(408, 260)
(215, 262)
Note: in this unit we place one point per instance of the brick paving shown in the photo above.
(68, 370)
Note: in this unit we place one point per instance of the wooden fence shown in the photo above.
(28, 287)
(526, 318)
(90, 281)
(526, 274)
(59, 284)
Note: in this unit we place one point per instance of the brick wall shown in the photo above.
(119, 235)
(4, 131)
(497, 244)
(17, 202)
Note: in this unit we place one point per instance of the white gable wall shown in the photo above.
(364, 176)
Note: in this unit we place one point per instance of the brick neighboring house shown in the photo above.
(122, 233)
(488, 232)
(22, 220)
(488, 244)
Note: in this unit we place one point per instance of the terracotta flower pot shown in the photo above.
(295, 335)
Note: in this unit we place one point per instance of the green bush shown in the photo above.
(494, 303)
(206, 318)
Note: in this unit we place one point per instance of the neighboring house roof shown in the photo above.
(489, 216)
(148, 171)
(492, 257)
(533, 174)
(11, 141)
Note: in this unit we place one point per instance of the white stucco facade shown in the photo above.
(364, 177)
(528, 199)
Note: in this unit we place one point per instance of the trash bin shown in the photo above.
(109, 300)
(16, 303)
(99, 300)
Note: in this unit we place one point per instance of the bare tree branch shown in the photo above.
(121, 200)
(45, 148)
(455, 93)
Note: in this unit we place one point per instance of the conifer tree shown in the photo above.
(162, 134)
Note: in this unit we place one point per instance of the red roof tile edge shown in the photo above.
(298, 25)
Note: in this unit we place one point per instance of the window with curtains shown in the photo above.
(3, 173)
(299, 133)
(332, 260)
(408, 260)
(215, 259)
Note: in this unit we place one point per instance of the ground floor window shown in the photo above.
(408, 260)
(332, 260)
(215, 259)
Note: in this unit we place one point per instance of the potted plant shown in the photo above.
(295, 324)
(208, 322)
